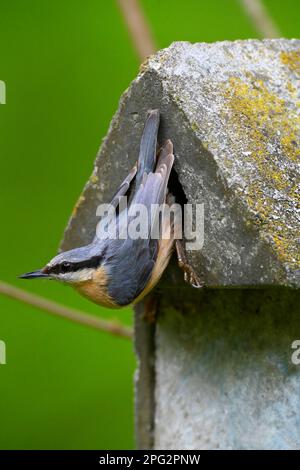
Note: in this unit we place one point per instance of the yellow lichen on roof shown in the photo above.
(270, 130)
(292, 60)
(78, 204)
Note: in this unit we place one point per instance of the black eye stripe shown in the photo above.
(67, 267)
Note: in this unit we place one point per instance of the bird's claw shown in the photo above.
(191, 277)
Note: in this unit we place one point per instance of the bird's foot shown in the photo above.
(190, 276)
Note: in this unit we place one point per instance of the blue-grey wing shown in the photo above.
(122, 190)
(124, 187)
(130, 262)
(145, 164)
(153, 188)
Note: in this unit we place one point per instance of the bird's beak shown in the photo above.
(34, 275)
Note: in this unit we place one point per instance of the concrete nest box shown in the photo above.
(215, 369)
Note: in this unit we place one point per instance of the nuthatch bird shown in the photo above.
(118, 272)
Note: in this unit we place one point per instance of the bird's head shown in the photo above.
(71, 267)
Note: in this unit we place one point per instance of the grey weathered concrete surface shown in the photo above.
(222, 375)
(144, 379)
(232, 110)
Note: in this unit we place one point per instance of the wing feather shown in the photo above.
(131, 269)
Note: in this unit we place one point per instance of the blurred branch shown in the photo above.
(138, 28)
(261, 18)
(54, 308)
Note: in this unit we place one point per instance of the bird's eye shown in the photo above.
(66, 266)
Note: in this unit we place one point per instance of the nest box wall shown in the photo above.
(232, 111)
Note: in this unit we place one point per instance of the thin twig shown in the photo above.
(138, 28)
(261, 18)
(54, 308)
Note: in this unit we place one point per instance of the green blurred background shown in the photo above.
(65, 64)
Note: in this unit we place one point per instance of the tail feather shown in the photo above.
(165, 157)
(164, 166)
(147, 155)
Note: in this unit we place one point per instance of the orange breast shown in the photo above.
(95, 289)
